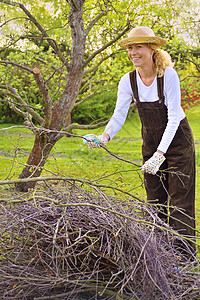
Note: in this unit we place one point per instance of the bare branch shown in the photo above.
(4, 62)
(14, 126)
(11, 44)
(106, 45)
(99, 63)
(18, 104)
(66, 130)
(197, 66)
(94, 94)
(95, 20)
(17, 110)
(44, 92)
(12, 93)
(78, 126)
(28, 122)
(22, 37)
(189, 76)
(10, 20)
(11, 3)
(51, 41)
(45, 97)
(37, 179)
(59, 85)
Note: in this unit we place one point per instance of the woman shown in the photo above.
(167, 137)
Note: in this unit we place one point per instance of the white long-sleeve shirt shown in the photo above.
(149, 94)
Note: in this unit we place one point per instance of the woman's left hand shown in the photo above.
(153, 164)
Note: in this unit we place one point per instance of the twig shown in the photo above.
(164, 228)
(88, 60)
(37, 179)
(16, 65)
(138, 260)
(87, 242)
(82, 137)
(14, 126)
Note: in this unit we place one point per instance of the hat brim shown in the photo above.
(124, 43)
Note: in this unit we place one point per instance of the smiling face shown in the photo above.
(140, 55)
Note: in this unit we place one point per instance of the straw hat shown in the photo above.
(141, 34)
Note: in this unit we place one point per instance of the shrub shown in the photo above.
(190, 93)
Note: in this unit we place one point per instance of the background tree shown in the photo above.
(55, 57)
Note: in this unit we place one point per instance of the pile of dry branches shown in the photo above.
(63, 242)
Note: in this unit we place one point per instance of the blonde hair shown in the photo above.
(161, 59)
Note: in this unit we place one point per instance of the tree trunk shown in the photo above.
(36, 161)
(62, 108)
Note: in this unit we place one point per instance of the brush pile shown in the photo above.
(63, 242)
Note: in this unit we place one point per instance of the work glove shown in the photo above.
(153, 164)
(95, 141)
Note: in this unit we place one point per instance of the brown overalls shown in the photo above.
(180, 158)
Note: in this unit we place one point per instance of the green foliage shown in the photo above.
(23, 43)
(9, 116)
(24, 82)
(98, 108)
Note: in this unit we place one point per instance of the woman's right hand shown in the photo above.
(95, 141)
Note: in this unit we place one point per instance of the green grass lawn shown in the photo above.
(71, 157)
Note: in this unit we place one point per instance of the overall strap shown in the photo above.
(134, 85)
(160, 84)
